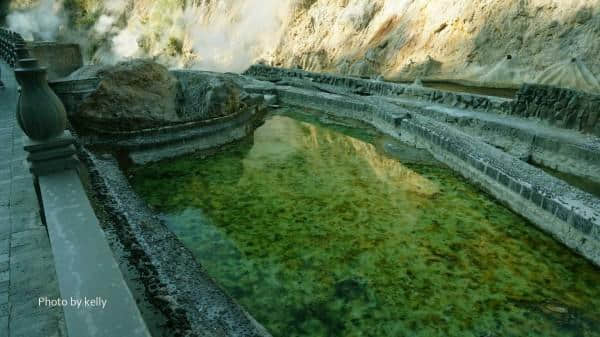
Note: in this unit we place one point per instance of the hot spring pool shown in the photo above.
(317, 232)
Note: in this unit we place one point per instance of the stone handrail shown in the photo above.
(8, 48)
(85, 266)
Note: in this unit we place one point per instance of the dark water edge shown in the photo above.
(158, 324)
(486, 91)
(322, 227)
(467, 89)
(581, 183)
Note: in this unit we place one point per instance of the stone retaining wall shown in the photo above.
(344, 107)
(569, 215)
(528, 140)
(61, 59)
(381, 88)
(73, 92)
(156, 144)
(565, 108)
(173, 279)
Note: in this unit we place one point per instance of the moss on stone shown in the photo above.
(318, 234)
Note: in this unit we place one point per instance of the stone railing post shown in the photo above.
(42, 117)
(21, 51)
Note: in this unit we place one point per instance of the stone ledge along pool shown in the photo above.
(325, 230)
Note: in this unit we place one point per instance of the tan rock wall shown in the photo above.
(492, 43)
(457, 40)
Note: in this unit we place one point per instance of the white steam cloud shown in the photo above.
(41, 22)
(221, 35)
(236, 33)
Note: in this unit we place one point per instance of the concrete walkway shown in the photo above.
(27, 271)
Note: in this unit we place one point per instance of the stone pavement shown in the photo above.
(27, 270)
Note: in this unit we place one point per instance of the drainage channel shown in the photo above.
(581, 183)
(466, 89)
(486, 91)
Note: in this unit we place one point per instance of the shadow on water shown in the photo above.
(454, 87)
(461, 88)
(581, 183)
(319, 233)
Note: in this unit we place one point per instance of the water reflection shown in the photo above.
(318, 234)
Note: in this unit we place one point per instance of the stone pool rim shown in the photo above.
(175, 282)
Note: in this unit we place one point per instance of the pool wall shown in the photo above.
(175, 283)
(382, 88)
(565, 108)
(171, 141)
(570, 215)
(533, 136)
(526, 141)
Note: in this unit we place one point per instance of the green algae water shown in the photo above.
(318, 232)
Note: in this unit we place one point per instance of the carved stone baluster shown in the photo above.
(42, 117)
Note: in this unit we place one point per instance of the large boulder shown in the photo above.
(141, 94)
(208, 95)
(131, 95)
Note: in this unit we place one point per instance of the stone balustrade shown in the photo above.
(83, 260)
(9, 41)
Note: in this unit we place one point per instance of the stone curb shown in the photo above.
(175, 281)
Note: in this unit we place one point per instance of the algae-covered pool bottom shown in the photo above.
(317, 233)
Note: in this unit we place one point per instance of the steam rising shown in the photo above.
(221, 35)
(231, 37)
(40, 22)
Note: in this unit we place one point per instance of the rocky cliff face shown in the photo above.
(497, 43)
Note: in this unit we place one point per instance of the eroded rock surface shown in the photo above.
(565, 108)
(131, 95)
(141, 94)
(208, 95)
